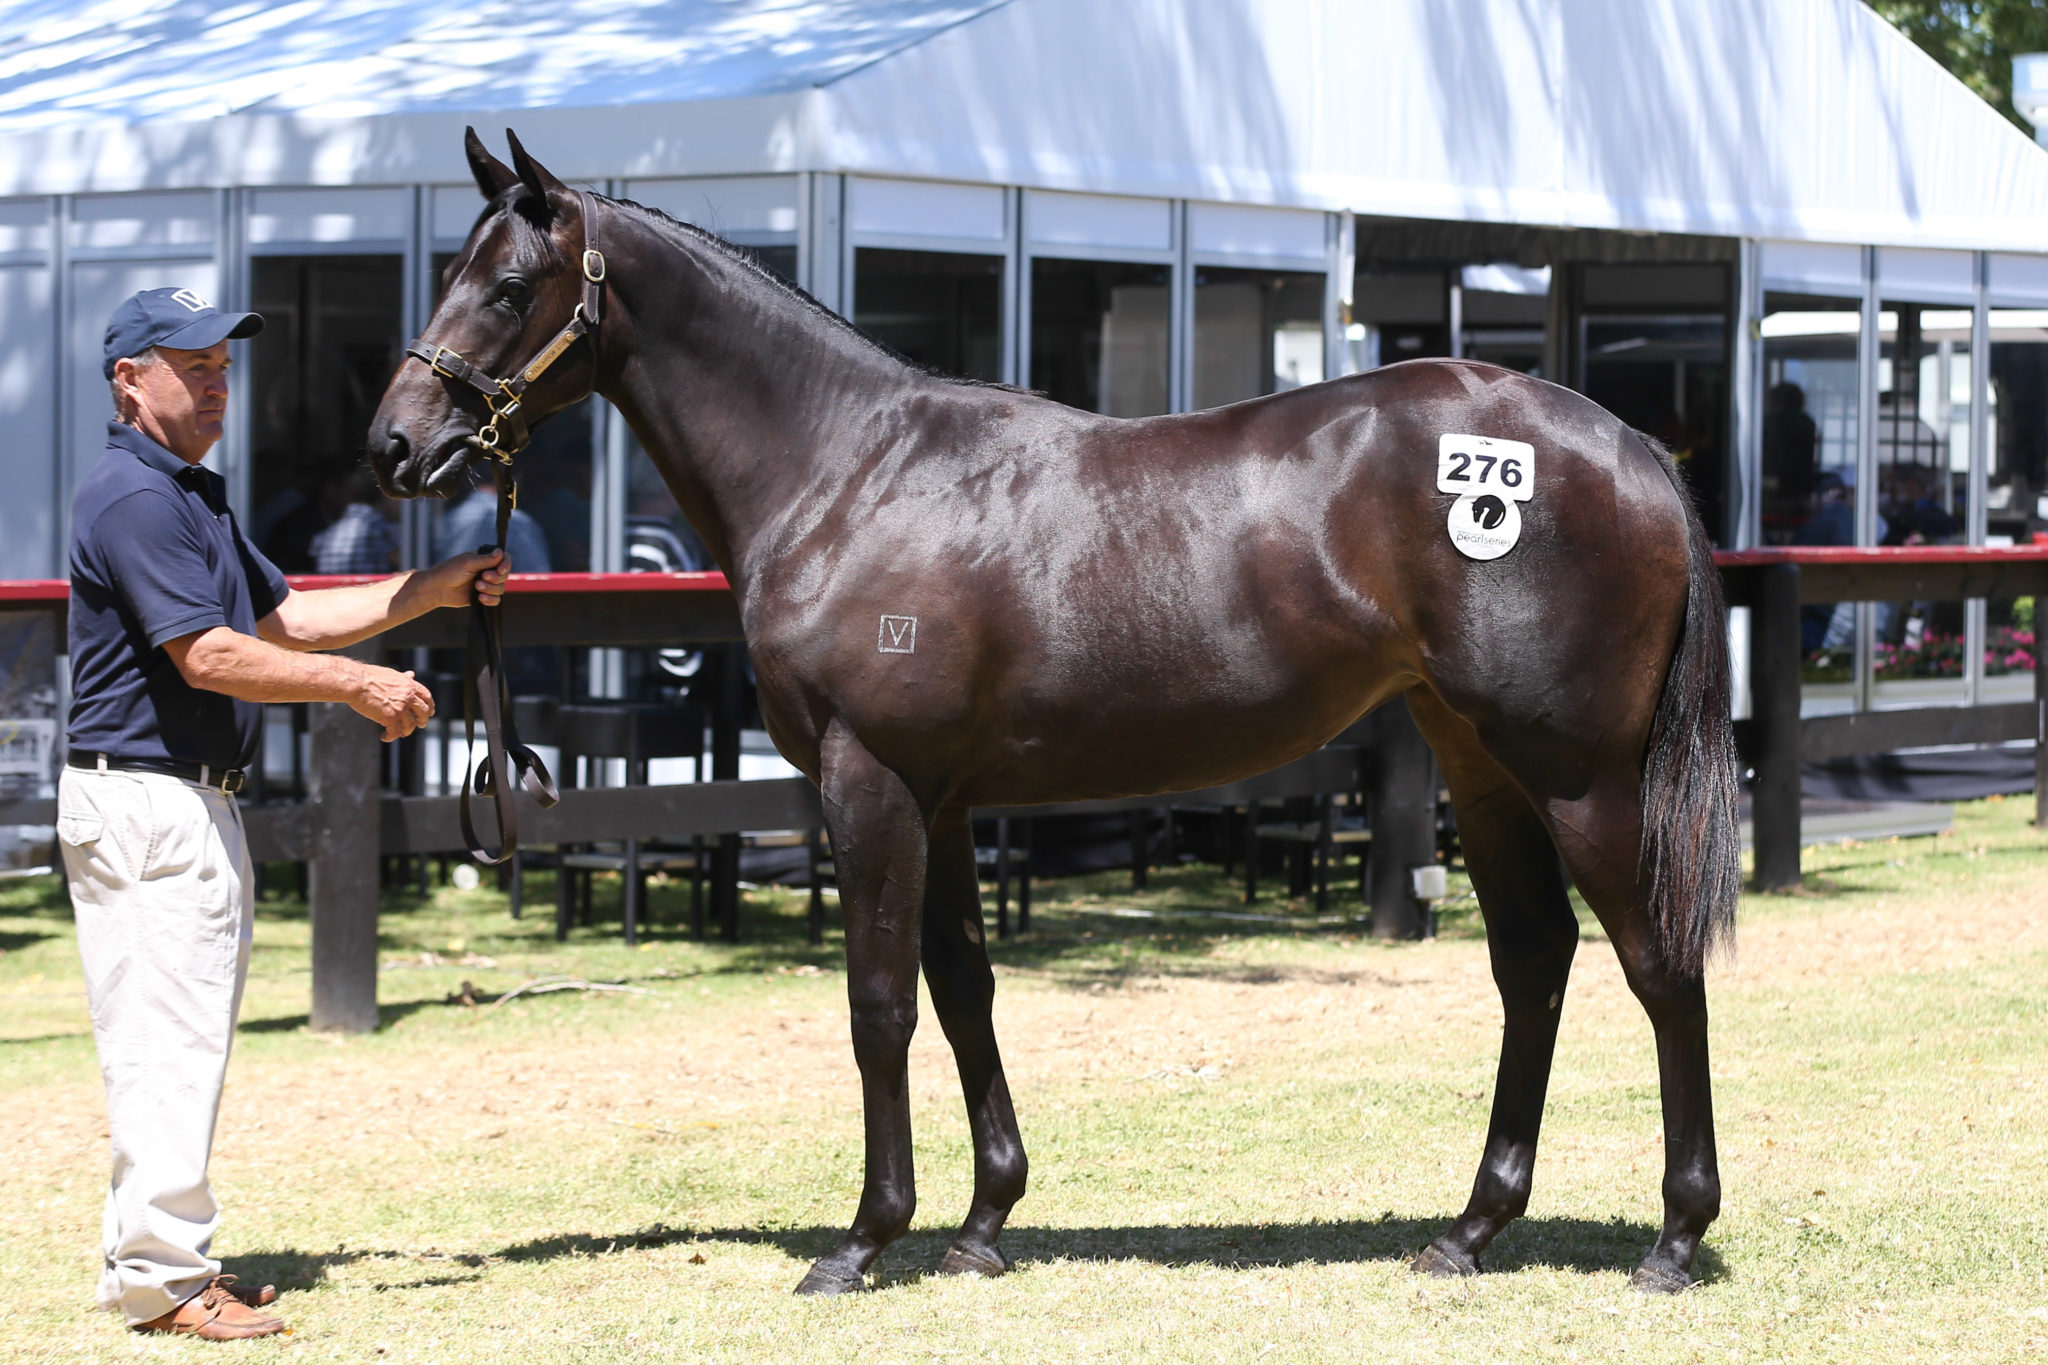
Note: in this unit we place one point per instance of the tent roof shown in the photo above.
(1798, 119)
(131, 61)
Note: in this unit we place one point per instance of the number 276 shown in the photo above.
(1510, 469)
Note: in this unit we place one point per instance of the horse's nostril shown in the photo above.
(398, 473)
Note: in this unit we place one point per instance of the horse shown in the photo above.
(959, 594)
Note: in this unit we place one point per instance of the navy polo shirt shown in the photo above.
(156, 554)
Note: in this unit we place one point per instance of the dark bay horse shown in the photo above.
(960, 594)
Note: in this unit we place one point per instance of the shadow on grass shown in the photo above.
(389, 1012)
(1574, 1244)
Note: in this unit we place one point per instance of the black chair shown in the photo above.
(632, 734)
(1318, 833)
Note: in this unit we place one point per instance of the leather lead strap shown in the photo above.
(486, 695)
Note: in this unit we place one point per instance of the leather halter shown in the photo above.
(506, 434)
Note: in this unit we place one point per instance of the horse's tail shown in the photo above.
(1692, 842)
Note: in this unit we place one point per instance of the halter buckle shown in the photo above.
(593, 273)
(438, 368)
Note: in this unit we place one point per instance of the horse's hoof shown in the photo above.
(1652, 1277)
(824, 1280)
(1439, 1264)
(987, 1262)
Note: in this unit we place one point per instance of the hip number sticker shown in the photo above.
(1481, 464)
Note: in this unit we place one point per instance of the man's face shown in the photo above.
(181, 402)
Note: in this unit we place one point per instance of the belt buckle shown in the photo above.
(232, 781)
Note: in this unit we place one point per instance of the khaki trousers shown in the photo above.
(163, 893)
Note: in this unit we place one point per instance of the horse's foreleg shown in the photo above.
(963, 994)
(1599, 840)
(1530, 936)
(878, 845)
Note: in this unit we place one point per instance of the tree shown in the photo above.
(1975, 40)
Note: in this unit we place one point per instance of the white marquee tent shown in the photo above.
(1790, 119)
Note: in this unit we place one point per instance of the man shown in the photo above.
(472, 520)
(362, 539)
(179, 629)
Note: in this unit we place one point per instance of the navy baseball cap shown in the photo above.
(177, 318)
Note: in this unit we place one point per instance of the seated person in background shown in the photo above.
(473, 521)
(1916, 518)
(1828, 625)
(364, 538)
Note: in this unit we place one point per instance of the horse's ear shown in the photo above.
(538, 178)
(492, 175)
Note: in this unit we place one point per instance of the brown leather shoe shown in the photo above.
(216, 1313)
(251, 1295)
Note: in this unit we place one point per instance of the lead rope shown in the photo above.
(486, 694)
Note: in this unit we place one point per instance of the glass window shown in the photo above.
(2016, 504)
(1504, 308)
(28, 528)
(317, 373)
(1399, 315)
(1923, 424)
(1668, 376)
(1099, 335)
(1256, 332)
(1923, 477)
(1809, 419)
(938, 308)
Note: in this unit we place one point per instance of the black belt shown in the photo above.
(225, 780)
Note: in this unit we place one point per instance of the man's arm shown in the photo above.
(223, 660)
(333, 617)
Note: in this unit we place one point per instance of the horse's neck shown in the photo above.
(746, 399)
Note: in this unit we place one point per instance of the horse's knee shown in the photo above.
(882, 1024)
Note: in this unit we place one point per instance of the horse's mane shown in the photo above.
(691, 236)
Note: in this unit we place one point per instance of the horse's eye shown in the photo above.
(512, 291)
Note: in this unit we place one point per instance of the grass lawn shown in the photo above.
(1239, 1133)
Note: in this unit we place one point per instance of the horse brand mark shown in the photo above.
(1492, 479)
(898, 635)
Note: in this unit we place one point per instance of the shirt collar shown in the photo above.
(121, 436)
(132, 440)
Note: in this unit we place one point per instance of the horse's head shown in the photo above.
(505, 347)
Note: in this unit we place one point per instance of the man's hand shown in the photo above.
(449, 583)
(394, 700)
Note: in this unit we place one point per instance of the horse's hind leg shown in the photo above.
(879, 846)
(963, 994)
(1530, 936)
(1600, 837)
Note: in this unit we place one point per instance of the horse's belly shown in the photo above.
(1181, 733)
